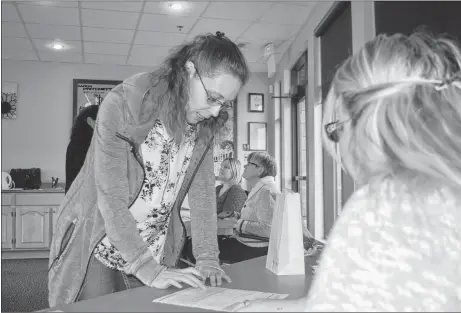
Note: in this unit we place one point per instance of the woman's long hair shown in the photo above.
(212, 55)
(402, 124)
(81, 131)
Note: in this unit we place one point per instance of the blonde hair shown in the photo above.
(236, 169)
(401, 124)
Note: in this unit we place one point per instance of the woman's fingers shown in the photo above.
(193, 271)
(191, 280)
(213, 280)
(226, 277)
(175, 283)
(218, 280)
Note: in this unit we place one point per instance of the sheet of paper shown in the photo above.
(215, 298)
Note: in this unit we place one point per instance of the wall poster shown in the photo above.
(90, 91)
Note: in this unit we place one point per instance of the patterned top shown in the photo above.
(392, 250)
(232, 200)
(165, 164)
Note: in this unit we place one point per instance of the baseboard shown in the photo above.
(26, 254)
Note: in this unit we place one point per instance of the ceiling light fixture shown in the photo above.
(57, 46)
(176, 6)
(269, 49)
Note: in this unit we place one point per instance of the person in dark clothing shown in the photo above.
(80, 140)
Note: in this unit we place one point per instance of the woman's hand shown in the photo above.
(174, 277)
(236, 225)
(214, 272)
(270, 306)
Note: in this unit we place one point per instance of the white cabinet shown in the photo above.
(7, 227)
(28, 222)
(32, 227)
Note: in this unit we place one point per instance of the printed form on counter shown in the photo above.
(215, 298)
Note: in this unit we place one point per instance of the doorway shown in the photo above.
(335, 34)
(299, 134)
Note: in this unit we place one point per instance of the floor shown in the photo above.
(24, 285)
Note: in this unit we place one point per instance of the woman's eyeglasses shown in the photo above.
(213, 101)
(334, 130)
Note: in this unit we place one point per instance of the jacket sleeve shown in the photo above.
(235, 199)
(264, 209)
(112, 189)
(202, 201)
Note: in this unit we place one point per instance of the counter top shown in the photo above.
(250, 275)
(45, 188)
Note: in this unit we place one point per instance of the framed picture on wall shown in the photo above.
(9, 100)
(256, 102)
(89, 91)
(257, 136)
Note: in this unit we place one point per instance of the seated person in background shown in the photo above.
(253, 227)
(80, 139)
(230, 196)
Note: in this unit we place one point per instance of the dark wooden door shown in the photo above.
(335, 35)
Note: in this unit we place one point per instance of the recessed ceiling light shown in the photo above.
(176, 6)
(57, 45)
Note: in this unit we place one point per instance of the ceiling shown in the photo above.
(142, 32)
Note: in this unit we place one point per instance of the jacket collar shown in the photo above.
(136, 90)
(268, 180)
(140, 111)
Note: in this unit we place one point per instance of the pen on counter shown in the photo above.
(187, 262)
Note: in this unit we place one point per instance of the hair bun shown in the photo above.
(219, 34)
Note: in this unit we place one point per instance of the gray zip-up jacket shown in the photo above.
(99, 199)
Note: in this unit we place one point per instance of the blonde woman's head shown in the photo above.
(394, 120)
(231, 171)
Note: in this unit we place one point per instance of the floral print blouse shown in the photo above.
(393, 249)
(165, 164)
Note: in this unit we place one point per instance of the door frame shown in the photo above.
(335, 11)
(301, 92)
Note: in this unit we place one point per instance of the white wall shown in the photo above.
(258, 83)
(38, 137)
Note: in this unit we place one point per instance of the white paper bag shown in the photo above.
(286, 250)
